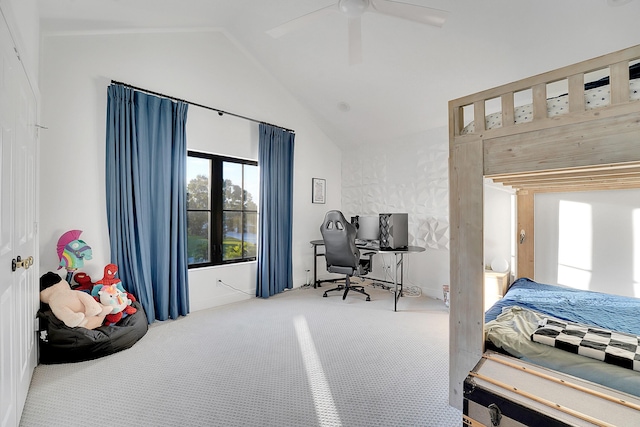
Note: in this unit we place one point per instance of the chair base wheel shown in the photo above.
(345, 289)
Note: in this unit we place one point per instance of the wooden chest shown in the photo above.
(507, 392)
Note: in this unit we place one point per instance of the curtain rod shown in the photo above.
(220, 112)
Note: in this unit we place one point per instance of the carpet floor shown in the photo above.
(295, 359)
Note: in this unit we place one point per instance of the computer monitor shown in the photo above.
(368, 227)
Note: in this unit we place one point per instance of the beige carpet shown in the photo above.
(295, 359)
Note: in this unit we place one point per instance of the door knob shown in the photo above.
(18, 262)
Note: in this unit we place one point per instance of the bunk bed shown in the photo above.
(582, 147)
(545, 324)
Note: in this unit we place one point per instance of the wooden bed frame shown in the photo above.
(580, 150)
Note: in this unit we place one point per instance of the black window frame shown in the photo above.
(217, 209)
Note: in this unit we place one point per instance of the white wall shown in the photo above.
(589, 240)
(498, 223)
(412, 175)
(409, 175)
(203, 67)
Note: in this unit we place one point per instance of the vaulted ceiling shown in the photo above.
(409, 71)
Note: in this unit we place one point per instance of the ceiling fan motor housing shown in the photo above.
(353, 8)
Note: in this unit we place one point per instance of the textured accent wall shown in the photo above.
(409, 176)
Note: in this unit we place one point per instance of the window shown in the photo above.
(222, 209)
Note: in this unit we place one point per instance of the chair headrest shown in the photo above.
(335, 220)
(339, 237)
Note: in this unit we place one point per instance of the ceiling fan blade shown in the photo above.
(355, 41)
(302, 21)
(421, 14)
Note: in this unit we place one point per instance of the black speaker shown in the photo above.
(394, 231)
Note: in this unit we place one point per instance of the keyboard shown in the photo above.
(368, 244)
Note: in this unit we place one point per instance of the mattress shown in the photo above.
(597, 94)
(510, 323)
(608, 311)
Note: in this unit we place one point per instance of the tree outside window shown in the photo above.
(222, 209)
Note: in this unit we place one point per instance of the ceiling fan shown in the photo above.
(354, 9)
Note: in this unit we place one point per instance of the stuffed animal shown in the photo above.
(84, 282)
(118, 301)
(108, 279)
(109, 291)
(74, 308)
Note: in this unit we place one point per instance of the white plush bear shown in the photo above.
(74, 308)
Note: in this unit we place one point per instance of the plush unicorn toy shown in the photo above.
(111, 296)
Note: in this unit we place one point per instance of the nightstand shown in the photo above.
(495, 286)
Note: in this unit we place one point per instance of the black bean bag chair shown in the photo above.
(59, 343)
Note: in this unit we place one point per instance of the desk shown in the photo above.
(399, 260)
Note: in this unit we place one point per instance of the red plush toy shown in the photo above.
(109, 277)
(110, 292)
(84, 282)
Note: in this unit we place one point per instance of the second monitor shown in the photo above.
(391, 229)
(368, 227)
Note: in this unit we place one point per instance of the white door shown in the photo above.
(18, 283)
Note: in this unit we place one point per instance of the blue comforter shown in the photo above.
(612, 312)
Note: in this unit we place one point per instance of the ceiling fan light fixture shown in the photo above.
(353, 8)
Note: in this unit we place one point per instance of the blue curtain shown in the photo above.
(275, 159)
(146, 160)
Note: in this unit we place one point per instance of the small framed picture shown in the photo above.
(318, 190)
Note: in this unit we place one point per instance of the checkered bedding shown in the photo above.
(609, 346)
